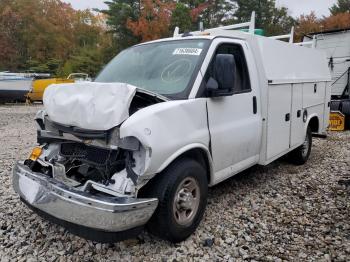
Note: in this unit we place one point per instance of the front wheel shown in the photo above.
(300, 155)
(182, 191)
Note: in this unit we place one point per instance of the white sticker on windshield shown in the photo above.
(187, 51)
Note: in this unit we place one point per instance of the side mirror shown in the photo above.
(224, 73)
(212, 87)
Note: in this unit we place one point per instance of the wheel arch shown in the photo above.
(313, 123)
(198, 152)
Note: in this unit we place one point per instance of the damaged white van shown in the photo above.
(164, 121)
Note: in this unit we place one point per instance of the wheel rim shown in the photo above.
(186, 201)
(305, 146)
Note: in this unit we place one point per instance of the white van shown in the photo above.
(164, 121)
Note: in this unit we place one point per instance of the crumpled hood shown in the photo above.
(89, 105)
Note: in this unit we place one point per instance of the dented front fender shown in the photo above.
(166, 128)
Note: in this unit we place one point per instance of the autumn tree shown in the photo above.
(43, 30)
(307, 24)
(32, 34)
(342, 6)
(9, 22)
(311, 24)
(186, 15)
(196, 12)
(338, 21)
(94, 46)
(154, 20)
(42, 35)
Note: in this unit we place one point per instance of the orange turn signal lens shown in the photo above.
(36, 153)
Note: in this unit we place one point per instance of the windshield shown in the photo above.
(166, 68)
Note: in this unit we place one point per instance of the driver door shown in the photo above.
(234, 121)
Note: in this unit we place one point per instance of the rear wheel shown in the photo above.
(300, 155)
(182, 193)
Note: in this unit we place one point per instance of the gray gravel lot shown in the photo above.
(274, 213)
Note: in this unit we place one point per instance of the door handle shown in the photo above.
(287, 117)
(315, 88)
(298, 113)
(255, 105)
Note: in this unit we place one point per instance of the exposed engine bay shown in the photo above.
(93, 161)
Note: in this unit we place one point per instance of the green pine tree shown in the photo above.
(272, 19)
(342, 6)
(119, 11)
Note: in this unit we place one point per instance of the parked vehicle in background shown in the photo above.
(336, 43)
(39, 85)
(14, 87)
(164, 121)
(80, 77)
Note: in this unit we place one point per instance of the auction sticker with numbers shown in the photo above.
(187, 51)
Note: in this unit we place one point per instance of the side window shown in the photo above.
(242, 81)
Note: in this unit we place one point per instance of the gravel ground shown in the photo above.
(274, 213)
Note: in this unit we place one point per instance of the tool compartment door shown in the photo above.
(297, 134)
(313, 94)
(279, 119)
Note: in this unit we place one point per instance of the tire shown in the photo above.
(300, 155)
(174, 219)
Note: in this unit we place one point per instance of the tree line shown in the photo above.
(50, 36)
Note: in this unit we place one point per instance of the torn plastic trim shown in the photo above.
(125, 182)
(113, 142)
(49, 158)
(107, 189)
(130, 163)
(40, 118)
(118, 185)
(59, 173)
(133, 177)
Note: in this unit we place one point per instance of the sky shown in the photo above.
(296, 7)
(299, 7)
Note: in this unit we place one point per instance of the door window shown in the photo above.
(242, 81)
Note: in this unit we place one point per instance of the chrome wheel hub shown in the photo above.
(186, 201)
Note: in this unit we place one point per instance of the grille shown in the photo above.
(95, 155)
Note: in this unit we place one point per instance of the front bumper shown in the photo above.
(107, 214)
